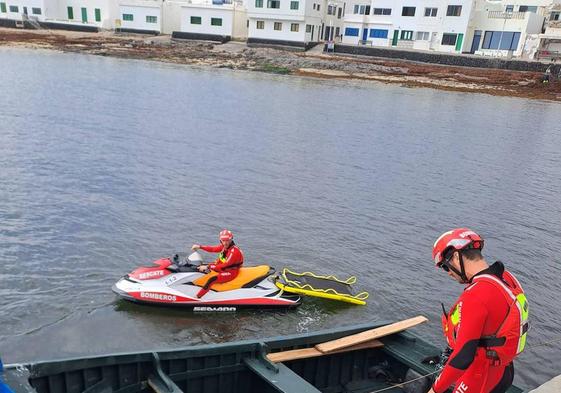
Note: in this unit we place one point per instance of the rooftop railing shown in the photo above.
(506, 15)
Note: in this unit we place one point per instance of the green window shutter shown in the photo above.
(97, 15)
(2, 7)
(459, 42)
(84, 14)
(216, 21)
(128, 17)
(196, 20)
(70, 13)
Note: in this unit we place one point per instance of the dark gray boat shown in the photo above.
(241, 367)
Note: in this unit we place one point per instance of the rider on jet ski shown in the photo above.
(227, 265)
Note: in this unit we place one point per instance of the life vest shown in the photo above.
(223, 256)
(510, 338)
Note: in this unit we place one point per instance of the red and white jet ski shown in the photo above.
(175, 281)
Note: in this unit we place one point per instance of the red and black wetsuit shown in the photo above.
(227, 265)
(479, 312)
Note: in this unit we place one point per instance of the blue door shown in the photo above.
(476, 40)
(364, 34)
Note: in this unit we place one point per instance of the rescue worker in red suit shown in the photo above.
(227, 265)
(486, 328)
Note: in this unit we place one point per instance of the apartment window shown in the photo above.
(528, 8)
(14, 8)
(382, 11)
(196, 20)
(128, 17)
(295, 27)
(318, 7)
(260, 24)
(216, 21)
(408, 11)
(151, 19)
(509, 8)
(553, 16)
(294, 5)
(378, 33)
(36, 11)
(70, 12)
(331, 9)
(431, 12)
(406, 35)
(97, 13)
(507, 40)
(2, 7)
(454, 10)
(362, 9)
(351, 32)
(273, 3)
(278, 26)
(258, 3)
(422, 36)
(308, 28)
(314, 6)
(449, 39)
(339, 13)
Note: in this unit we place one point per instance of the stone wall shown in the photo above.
(464, 60)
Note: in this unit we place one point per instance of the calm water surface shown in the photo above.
(106, 164)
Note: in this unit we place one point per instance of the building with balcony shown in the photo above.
(410, 24)
(549, 46)
(506, 28)
(296, 23)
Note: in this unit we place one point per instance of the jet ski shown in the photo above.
(175, 281)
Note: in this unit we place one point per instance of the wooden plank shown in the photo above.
(368, 335)
(305, 353)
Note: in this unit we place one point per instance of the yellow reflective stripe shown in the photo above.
(521, 343)
(524, 309)
(455, 317)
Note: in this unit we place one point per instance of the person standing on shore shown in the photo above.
(227, 265)
(487, 327)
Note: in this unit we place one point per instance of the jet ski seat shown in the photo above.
(247, 275)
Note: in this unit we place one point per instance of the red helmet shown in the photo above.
(226, 235)
(459, 239)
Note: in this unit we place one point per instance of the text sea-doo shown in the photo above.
(175, 281)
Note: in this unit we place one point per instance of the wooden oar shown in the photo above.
(305, 353)
(344, 342)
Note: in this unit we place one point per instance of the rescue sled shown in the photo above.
(328, 287)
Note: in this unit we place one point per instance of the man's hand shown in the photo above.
(195, 247)
(202, 268)
(431, 391)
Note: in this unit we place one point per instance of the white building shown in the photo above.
(413, 24)
(549, 45)
(288, 22)
(139, 16)
(504, 28)
(20, 9)
(212, 20)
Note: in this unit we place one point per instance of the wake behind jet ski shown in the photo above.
(176, 281)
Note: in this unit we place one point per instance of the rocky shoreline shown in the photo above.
(239, 56)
